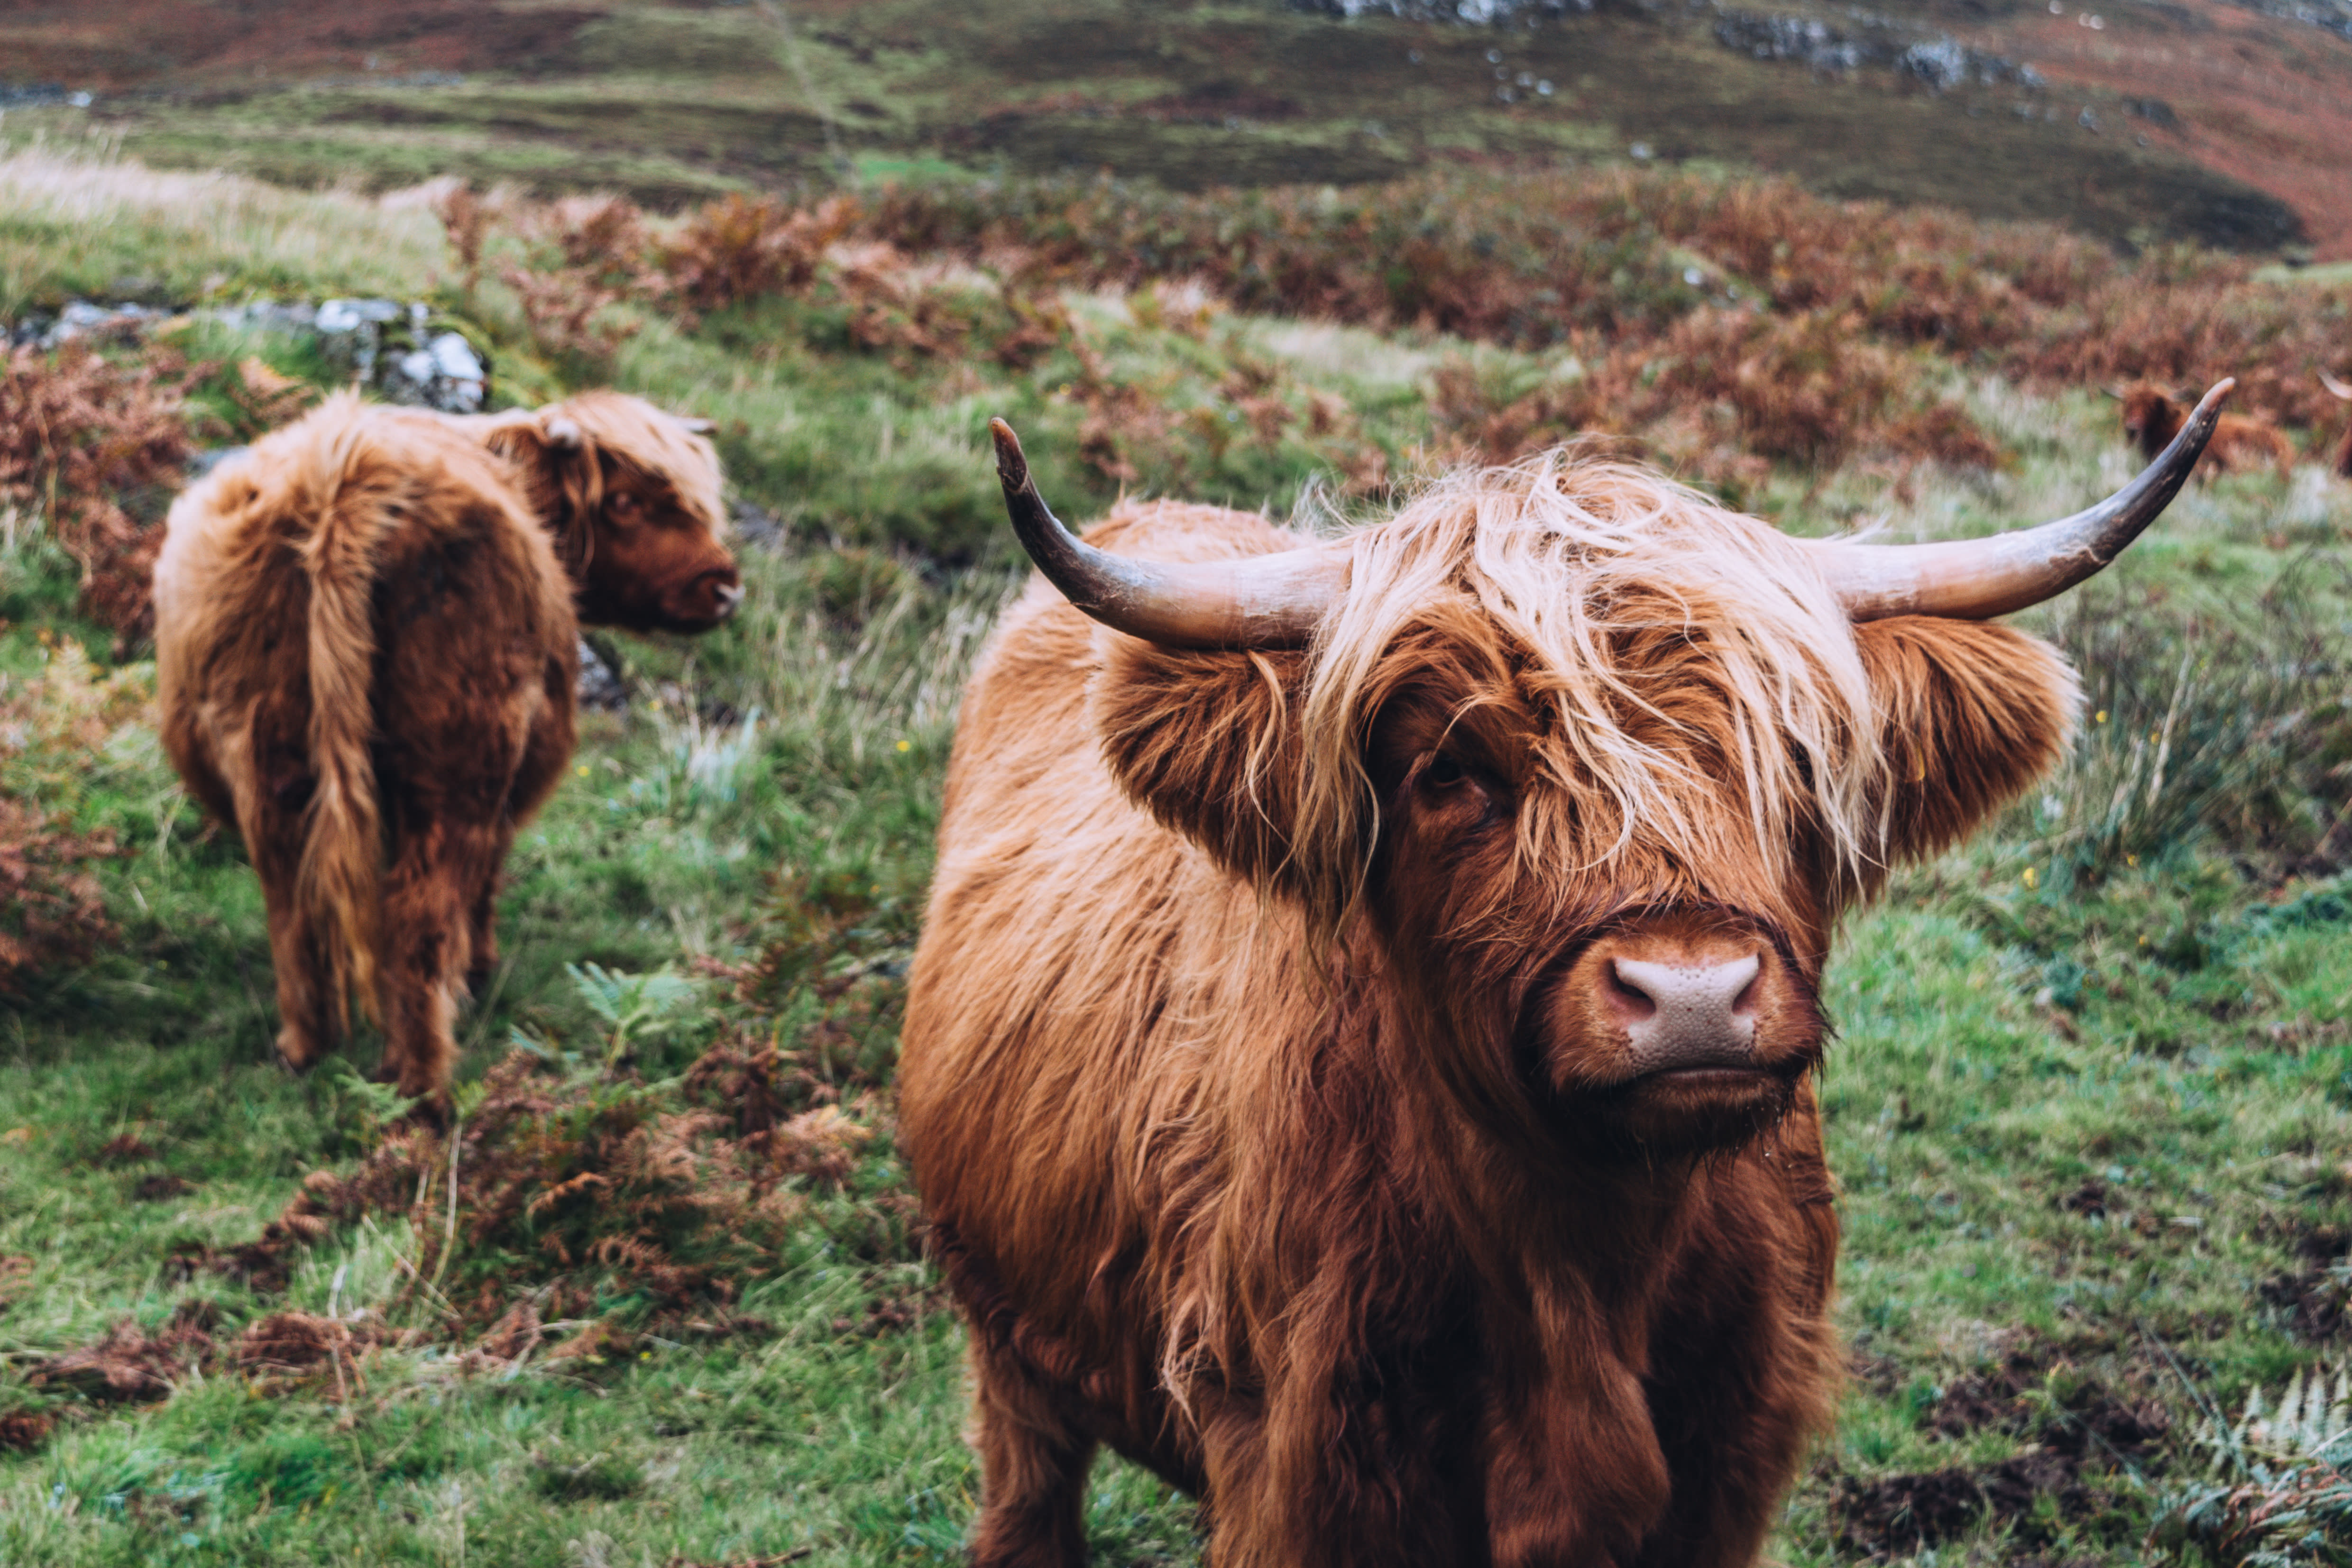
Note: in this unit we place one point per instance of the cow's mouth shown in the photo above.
(1689, 1109)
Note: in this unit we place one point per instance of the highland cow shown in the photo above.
(2341, 466)
(366, 638)
(1357, 1062)
(2241, 444)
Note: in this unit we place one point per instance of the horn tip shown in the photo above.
(2216, 393)
(1012, 463)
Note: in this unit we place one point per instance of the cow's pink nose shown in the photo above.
(1686, 1015)
(720, 589)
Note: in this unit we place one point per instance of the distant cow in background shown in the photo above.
(2241, 444)
(2342, 466)
(366, 640)
(1359, 1059)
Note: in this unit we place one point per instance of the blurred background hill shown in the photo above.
(2134, 121)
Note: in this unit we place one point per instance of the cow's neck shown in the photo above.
(1530, 1205)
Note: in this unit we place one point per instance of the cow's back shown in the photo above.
(463, 593)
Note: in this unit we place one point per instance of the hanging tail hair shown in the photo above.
(335, 884)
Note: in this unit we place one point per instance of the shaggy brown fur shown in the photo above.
(1253, 1074)
(365, 648)
(2342, 464)
(2241, 444)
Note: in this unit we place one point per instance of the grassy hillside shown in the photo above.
(2200, 119)
(659, 1300)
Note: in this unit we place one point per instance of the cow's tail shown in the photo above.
(336, 882)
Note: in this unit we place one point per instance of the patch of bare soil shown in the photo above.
(2315, 1299)
(123, 1149)
(2079, 1429)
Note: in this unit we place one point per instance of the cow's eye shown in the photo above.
(1443, 772)
(621, 504)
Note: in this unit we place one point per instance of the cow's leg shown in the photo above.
(1734, 1399)
(305, 1025)
(438, 869)
(273, 782)
(191, 753)
(1033, 1463)
(546, 749)
(481, 918)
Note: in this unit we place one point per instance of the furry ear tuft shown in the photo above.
(1209, 743)
(1971, 713)
(561, 473)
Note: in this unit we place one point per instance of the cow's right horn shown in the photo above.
(2335, 386)
(1975, 579)
(1257, 601)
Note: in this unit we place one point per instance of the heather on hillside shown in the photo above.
(1720, 324)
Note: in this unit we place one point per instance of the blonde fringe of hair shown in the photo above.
(1567, 558)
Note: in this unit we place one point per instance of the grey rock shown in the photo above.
(1938, 61)
(445, 374)
(205, 462)
(1470, 13)
(82, 319)
(598, 686)
(351, 334)
(755, 525)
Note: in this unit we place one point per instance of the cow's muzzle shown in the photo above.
(708, 600)
(1678, 1031)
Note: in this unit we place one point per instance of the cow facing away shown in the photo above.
(366, 638)
(2240, 444)
(1367, 1079)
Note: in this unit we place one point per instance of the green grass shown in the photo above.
(2155, 996)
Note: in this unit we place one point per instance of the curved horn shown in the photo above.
(1975, 579)
(2335, 386)
(1257, 601)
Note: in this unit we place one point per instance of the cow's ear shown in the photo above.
(561, 473)
(1970, 714)
(1209, 743)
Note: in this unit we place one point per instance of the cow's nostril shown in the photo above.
(1693, 1015)
(1626, 991)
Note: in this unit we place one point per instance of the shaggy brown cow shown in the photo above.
(1368, 1084)
(2342, 466)
(2240, 445)
(365, 642)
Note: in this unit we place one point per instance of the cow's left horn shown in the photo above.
(1974, 579)
(1257, 601)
